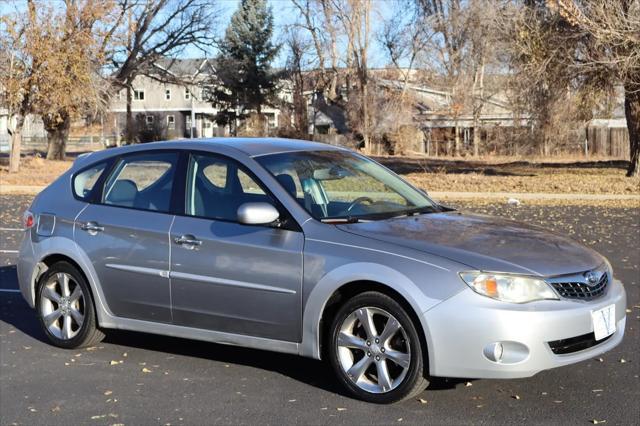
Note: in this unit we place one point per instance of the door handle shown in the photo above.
(187, 240)
(92, 227)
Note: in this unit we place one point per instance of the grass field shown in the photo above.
(438, 175)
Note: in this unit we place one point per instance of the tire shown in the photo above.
(67, 312)
(355, 353)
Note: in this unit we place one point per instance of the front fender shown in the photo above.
(360, 271)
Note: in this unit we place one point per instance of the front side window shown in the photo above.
(84, 182)
(217, 186)
(344, 185)
(167, 94)
(171, 122)
(142, 181)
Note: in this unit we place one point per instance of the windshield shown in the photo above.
(344, 185)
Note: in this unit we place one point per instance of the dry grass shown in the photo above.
(33, 171)
(606, 177)
(437, 175)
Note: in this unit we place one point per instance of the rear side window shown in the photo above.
(143, 181)
(85, 181)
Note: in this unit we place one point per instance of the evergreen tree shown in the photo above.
(245, 80)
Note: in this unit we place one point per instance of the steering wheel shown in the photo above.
(357, 201)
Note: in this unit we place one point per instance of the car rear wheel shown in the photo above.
(376, 351)
(65, 308)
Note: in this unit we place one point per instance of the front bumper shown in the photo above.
(461, 328)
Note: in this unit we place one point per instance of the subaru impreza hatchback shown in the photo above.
(312, 250)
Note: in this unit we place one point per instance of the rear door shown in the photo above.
(226, 276)
(126, 235)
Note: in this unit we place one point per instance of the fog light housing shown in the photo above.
(506, 352)
(494, 351)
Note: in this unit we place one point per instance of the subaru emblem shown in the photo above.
(591, 278)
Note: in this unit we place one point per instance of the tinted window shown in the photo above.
(142, 181)
(84, 181)
(217, 186)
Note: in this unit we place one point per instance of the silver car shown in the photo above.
(312, 250)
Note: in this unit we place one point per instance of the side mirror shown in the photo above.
(257, 214)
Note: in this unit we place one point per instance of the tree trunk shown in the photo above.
(57, 136)
(130, 133)
(632, 112)
(16, 141)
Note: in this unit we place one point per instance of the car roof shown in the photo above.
(252, 147)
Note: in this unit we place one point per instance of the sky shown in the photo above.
(285, 14)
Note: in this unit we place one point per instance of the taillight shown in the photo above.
(28, 220)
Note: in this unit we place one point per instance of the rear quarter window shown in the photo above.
(85, 181)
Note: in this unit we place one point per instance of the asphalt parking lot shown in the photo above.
(140, 379)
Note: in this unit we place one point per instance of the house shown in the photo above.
(176, 110)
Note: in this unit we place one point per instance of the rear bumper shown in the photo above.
(462, 328)
(26, 268)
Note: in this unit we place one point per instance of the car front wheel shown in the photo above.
(376, 351)
(65, 307)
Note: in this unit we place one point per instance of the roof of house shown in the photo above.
(185, 67)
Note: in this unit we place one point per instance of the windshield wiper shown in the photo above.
(348, 219)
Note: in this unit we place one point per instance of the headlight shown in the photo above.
(508, 288)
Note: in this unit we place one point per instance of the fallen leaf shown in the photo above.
(292, 400)
(468, 384)
(55, 409)
(341, 409)
(146, 370)
(622, 360)
(422, 401)
(113, 362)
(597, 422)
(101, 416)
(601, 359)
(107, 393)
(597, 390)
(400, 419)
(515, 396)
(124, 354)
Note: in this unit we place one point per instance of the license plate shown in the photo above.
(604, 322)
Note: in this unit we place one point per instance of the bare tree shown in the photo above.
(355, 18)
(609, 37)
(297, 49)
(148, 30)
(318, 19)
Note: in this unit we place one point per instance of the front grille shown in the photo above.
(582, 291)
(575, 344)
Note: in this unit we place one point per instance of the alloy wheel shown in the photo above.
(62, 306)
(373, 350)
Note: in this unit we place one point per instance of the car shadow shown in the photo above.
(15, 311)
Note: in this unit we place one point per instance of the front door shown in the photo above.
(230, 277)
(126, 236)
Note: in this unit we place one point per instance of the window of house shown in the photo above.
(167, 94)
(142, 181)
(171, 122)
(149, 120)
(138, 95)
(119, 95)
(187, 94)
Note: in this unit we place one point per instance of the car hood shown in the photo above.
(483, 242)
